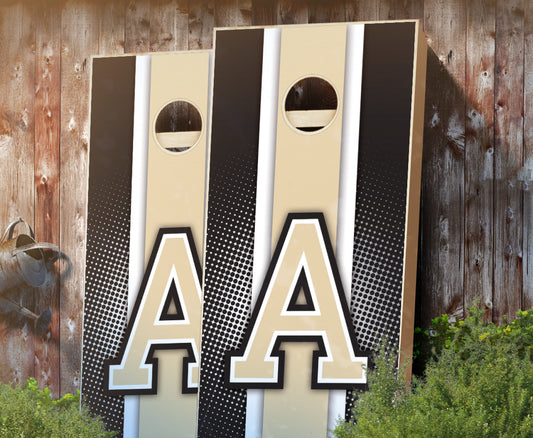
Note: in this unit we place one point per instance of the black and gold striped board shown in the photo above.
(149, 131)
(314, 179)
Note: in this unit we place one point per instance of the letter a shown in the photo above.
(167, 315)
(301, 301)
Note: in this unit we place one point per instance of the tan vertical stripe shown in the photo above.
(307, 164)
(169, 413)
(175, 197)
(176, 181)
(306, 180)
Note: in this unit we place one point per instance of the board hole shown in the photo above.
(311, 104)
(178, 126)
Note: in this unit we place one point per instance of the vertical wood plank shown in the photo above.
(387, 9)
(479, 152)
(527, 173)
(47, 126)
(443, 173)
(291, 12)
(169, 25)
(362, 10)
(263, 12)
(508, 157)
(201, 23)
(407, 9)
(324, 11)
(371, 10)
(137, 27)
(17, 71)
(229, 13)
(417, 9)
(79, 38)
(111, 27)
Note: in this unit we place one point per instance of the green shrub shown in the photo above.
(29, 412)
(478, 384)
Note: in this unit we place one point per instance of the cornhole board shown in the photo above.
(149, 130)
(312, 220)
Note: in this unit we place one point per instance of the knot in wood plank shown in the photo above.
(509, 214)
(508, 252)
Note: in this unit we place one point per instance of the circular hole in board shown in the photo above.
(311, 104)
(178, 126)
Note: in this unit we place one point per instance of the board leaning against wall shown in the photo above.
(476, 204)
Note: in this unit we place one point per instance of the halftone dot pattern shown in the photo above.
(106, 292)
(378, 253)
(227, 291)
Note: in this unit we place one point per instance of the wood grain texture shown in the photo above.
(230, 13)
(47, 220)
(16, 172)
(508, 156)
(111, 27)
(443, 173)
(201, 23)
(79, 18)
(169, 24)
(402, 9)
(417, 10)
(137, 26)
(479, 153)
(527, 170)
(263, 12)
(363, 10)
(291, 12)
(324, 11)
(387, 9)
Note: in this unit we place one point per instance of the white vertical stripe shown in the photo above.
(138, 212)
(264, 198)
(348, 181)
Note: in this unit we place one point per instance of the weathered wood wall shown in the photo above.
(477, 206)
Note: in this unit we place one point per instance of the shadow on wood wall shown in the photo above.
(477, 209)
(442, 205)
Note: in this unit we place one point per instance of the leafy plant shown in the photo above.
(29, 412)
(479, 383)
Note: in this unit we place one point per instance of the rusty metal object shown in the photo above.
(23, 263)
(41, 322)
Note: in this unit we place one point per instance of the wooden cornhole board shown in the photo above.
(312, 219)
(343, 176)
(149, 120)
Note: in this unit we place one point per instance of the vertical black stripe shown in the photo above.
(386, 93)
(230, 225)
(108, 229)
(382, 181)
